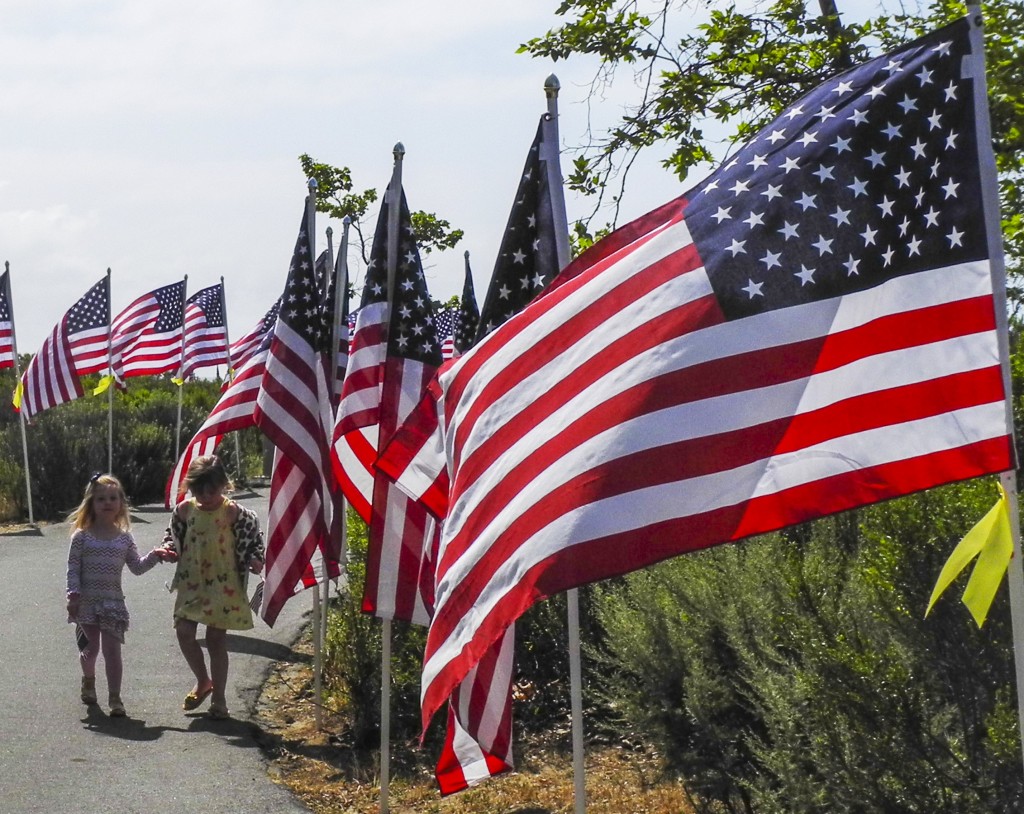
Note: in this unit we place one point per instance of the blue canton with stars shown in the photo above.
(412, 333)
(209, 302)
(300, 303)
(871, 175)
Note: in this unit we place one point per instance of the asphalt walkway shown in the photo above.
(59, 756)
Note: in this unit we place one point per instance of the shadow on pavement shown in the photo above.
(25, 531)
(130, 729)
(261, 647)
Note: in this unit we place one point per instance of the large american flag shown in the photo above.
(6, 322)
(206, 335)
(810, 329)
(77, 346)
(527, 260)
(145, 338)
(246, 346)
(394, 355)
(293, 411)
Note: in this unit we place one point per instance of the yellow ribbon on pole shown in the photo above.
(104, 383)
(991, 541)
(19, 393)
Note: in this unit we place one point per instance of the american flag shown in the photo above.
(808, 330)
(332, 334)
(527, 260)
(293, 411)
(6, 323)
(205, 333)
(145, 338)
(444, 327)
(234, 410)
(479, 736)
(242, 349)
(78, 345)
(395, 353)
(469, 315)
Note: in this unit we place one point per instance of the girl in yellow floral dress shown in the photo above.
(216, 543)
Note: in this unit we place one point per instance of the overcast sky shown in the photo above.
(162, 138)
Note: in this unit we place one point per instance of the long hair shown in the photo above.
(85, 515)
(207, 471)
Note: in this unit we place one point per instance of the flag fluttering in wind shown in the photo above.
(206, 335)
(145, 338)
(77, 346)
(6, 323)
(394, 355)
(809, 329)
(246, 346)
(527, 260)
(293, 411)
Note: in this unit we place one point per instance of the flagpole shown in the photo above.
(990, 204)
(393, 202)
(110, 387)
(317, 632)
(17, 379)
(551, 149)
(230, 373)
(181, 367)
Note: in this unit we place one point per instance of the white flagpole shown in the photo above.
(229, 372)
(17, 379)
(181, 367)
(551, 150)
(110, 372)
(394, 204)
(990, 204)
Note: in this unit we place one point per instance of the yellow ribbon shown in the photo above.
(19, 392)
(991, 541)
(104, 383)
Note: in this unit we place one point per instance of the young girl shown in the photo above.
(101, 545)
(215, 542)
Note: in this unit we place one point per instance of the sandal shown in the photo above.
(117, 707)
(194, 699)
(88, 690)
(218, 712)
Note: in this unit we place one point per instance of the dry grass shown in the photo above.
(332, 778)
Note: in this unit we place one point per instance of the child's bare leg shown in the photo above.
(217, 644)
(92, 650)
(193, 653)
(112, 663)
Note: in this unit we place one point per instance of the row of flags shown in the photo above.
(811, 328)
(160, 332)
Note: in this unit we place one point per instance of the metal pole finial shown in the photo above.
(347, 220)
(330, 232)
(312, 184)
(466, 254)
(552, 86)
(399, 151)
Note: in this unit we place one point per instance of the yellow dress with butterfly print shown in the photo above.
(209, 587)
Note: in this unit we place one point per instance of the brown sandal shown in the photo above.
(194, 699)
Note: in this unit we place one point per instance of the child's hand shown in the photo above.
(255, 565)
(166, 554)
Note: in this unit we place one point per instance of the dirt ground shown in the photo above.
(331, 778)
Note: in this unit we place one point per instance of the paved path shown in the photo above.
(59, 757)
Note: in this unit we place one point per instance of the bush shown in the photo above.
(786, 675)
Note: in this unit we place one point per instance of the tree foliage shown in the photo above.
(335, 196)
(702, 88)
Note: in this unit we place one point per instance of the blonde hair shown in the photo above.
(206, 471)
(85, 515)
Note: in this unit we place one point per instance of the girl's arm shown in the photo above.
(140, 565)
(174, 536)
(248, 540)
(74, 577)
